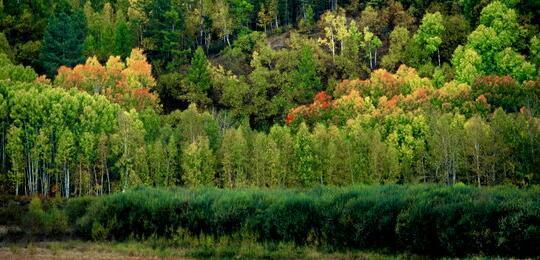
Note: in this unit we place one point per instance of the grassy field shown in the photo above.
(154, 249)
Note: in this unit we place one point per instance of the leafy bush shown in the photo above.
(51, 222)
(430, 220)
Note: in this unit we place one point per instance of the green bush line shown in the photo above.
(425, 219)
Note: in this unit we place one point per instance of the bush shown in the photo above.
(51, 222)
(295, 218)
(429, 220)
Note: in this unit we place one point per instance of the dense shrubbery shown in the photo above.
(431, 220)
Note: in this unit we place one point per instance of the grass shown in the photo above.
(202, 247)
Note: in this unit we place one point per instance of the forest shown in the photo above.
(101, 96)
(123, 98)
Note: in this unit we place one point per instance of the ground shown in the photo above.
(75, 249)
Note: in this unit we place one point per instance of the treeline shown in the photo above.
(61, 140)
(308, 107)
(427, 220)
(348, 39)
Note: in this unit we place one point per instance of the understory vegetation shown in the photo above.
(427, 220)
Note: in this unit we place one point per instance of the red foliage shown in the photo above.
(321, 101)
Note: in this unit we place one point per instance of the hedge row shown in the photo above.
(429, 220)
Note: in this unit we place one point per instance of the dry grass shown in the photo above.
(75, 249)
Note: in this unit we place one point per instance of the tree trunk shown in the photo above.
(439, 56)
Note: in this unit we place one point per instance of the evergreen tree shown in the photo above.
(305, 78)
(198, 81)
(5, 47)
(63, 40)
(123, 37)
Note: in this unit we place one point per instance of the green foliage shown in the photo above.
(198, 164)
(15, 72)
(430, 220)
(399, 39)
(63, 39)
(382, 127)
(5, 48)
(429, 35)
(493, 41)
(50, 222)
(306, 79)
(197, 83)
(234, 158)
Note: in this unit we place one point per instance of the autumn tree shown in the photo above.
(128, 84)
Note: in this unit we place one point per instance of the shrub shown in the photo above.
(430, 220)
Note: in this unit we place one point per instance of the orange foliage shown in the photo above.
(129, 85)
(321, 101)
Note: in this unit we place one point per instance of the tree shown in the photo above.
(332, 24)
(262, 160)
(456, 30)
(127, 84)
(304, 158)
(494, 41)
(198, 163)
(100, 37)
(192, 123)
(512, 63)
(480, 149)
(234, 158)
(283, 143)
(63, 39)
(534, 49)
(399, 39)
(5, 47)
(123, 37)
(371, 44)
(264, 17)
(163, 30)
(198, 81)
(306, 79)
(64, 159)
(127, 140)
(15, 148)
(446, 147)
(429, 35)
(222, 21)
(467, 64)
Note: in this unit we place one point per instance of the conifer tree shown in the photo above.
(63, 40)
(305, 78)
(198, 81)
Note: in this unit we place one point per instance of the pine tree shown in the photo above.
(305, 79)
(123, 37)
(198, 81)
(63, 40)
